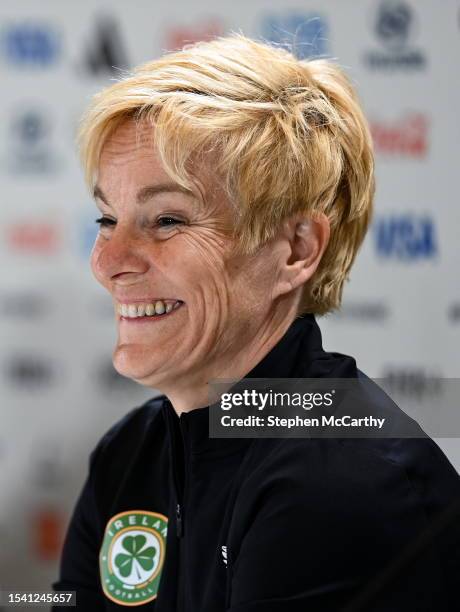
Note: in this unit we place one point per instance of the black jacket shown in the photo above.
(263, 525)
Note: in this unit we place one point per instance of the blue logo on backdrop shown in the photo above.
(405, 237)
(304, 34)
(30, 149)
(394, 26)
(31, 44)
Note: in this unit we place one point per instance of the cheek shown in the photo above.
(199, 258)
(253, 278)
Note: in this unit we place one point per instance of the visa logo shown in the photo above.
(405, 237)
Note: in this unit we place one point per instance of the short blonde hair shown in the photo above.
(289, 137)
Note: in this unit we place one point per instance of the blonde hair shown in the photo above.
(289, 137)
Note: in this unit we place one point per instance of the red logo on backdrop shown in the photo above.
(178, 36)
(30, 237)
(48, 533)
(407, 136)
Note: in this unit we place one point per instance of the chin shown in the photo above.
(133, 361)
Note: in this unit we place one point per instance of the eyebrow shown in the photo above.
(148, 192)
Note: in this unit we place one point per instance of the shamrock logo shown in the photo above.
(132, 556)
(136, 555)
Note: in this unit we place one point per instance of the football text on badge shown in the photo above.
(132, 556)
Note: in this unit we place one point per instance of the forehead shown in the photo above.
(130, 155)
(130, 143)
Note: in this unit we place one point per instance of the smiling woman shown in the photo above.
(235, 186)
(165, 245)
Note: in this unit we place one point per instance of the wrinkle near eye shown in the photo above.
(208, 244)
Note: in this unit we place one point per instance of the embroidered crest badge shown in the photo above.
(132, 556)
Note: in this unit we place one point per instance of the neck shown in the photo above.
(196, 393)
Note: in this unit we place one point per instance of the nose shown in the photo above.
(120, 257)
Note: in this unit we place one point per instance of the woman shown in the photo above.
(235, 186)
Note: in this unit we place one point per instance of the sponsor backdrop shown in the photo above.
(401, 312)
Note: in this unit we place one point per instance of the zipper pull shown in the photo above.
(179, 521)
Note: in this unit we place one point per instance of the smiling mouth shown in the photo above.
(146, 311)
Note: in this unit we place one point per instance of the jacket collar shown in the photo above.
(299, 354)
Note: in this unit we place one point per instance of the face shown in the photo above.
(164, 248)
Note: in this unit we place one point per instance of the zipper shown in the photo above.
(181, 596)
(179, 454)
(179, 528)
(180, 502)
(176, 455)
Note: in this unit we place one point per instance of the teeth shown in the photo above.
(132, 310)
(160, 307)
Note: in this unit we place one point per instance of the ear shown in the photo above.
(304, 242)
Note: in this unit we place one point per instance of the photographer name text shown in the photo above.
(297, 421)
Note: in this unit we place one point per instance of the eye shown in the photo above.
(168, 221)
(105, 221)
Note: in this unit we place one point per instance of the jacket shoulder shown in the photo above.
(355, 477)
(339, 495)
(338, 512)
